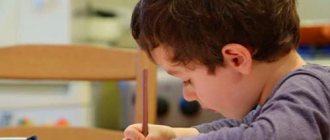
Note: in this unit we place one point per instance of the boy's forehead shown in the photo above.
(161, 55)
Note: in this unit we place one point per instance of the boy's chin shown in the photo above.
(230, 115)
(233, 115)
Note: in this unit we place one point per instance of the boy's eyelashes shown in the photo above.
(186, 82)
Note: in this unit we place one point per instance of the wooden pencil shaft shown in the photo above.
(145, 102)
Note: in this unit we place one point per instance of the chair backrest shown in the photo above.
(79, 62)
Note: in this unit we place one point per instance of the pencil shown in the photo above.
(145, 102)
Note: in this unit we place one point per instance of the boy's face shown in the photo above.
(223, 92)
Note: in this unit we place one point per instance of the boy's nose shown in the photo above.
(189, 95)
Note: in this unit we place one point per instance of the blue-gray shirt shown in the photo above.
(298, 109)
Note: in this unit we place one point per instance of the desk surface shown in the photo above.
(62, 133)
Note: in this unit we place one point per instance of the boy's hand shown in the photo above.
(156, 132)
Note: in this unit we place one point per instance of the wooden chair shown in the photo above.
(77, 62)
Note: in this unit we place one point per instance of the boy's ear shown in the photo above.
(238, 57)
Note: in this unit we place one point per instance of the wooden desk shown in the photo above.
(62, 133)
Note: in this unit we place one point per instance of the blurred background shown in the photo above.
(102, 104)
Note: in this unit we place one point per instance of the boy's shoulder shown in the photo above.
(310, 72)
(315, 70)
(311, 80)
(301, 99)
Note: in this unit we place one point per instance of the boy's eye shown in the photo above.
(186, 82)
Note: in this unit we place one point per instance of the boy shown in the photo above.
(233, 55)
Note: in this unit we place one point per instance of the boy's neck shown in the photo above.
(274, 71)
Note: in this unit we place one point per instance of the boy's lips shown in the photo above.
(209, 109)
(212, 110)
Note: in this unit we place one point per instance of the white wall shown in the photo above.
(314, 11)
(35, 21)
(8, 20)
(44, 21)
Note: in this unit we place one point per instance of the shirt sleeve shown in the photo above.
(300, 110)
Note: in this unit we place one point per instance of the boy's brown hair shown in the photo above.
(196, 30)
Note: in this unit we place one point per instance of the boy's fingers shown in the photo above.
(133, 134)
